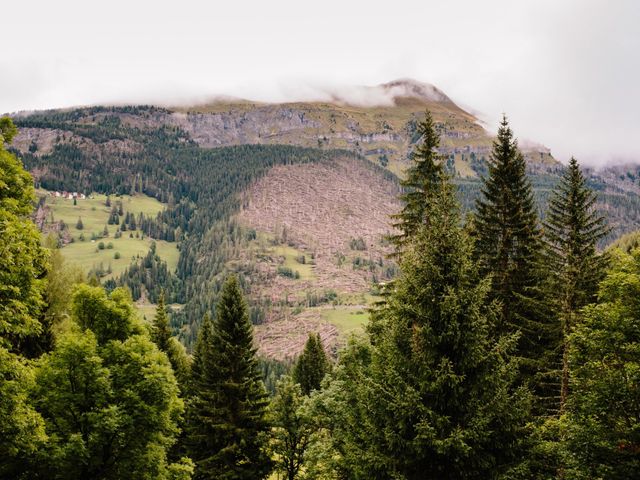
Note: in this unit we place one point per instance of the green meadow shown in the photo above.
(95, 214)
(290, 255)
(347, 319)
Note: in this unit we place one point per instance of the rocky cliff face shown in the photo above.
(377, 122)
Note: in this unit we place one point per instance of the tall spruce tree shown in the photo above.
(161, 332)
(508, 247)
(312, 365)
(421, 182)
(227, 423)
(161, 336)
(435, 397)
(572, 231)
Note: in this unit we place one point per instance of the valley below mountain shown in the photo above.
(296, 198)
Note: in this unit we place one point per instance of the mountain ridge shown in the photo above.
(176, 155)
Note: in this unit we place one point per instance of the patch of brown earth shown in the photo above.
(323, 207)
(284, 339)
(318, 209)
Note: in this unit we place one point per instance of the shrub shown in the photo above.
(288, 272)
(357, 244)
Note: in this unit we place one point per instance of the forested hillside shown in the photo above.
(149, 150)
(504, 347)
(201, 187)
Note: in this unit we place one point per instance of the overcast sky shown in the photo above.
(566, 72)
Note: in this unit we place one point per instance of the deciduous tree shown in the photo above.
(603, 408)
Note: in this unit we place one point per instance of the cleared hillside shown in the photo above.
(334, 217)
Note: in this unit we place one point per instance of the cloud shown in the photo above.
(566, 73)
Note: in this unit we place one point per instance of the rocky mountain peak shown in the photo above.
(408, 87)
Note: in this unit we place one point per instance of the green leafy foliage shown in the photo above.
(108, 396)
(24, 262)
(7, 131)
(603, 408)
(108, 317)
(22, 431)
(292, 428)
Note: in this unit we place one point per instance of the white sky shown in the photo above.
(566, 72)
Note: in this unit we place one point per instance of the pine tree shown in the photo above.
(423, 178)
(508, 246)
(161, 336)
(572, 231)
(437, 399)
(79, 224)
(312, 365)
(161, 333)
(113, 217)
(227, 425)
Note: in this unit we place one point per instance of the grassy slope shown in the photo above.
(288, 256)
(347, 319)
(95, 214)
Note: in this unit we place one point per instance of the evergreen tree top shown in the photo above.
(232, 326)
(421, 183)
(426, 166)
(508, 242)
(228, 412)
(161, 332)
(572, 230)
(312, 365)
(572, 218)
(506, 223)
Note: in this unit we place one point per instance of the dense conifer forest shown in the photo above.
(508, 346)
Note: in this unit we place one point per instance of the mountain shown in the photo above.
(294, 197)
(376, 122)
